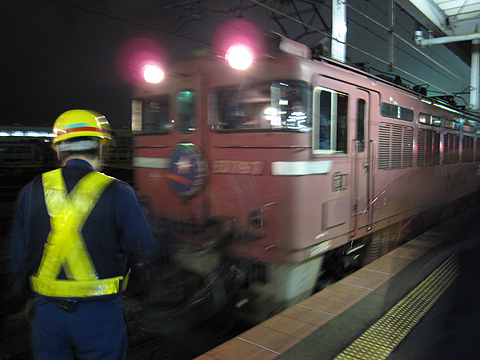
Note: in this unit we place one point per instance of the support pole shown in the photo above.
(475, 73)
(391, 22)
(339, 30)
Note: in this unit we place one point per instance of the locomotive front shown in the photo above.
(266, 174)
(213, 151)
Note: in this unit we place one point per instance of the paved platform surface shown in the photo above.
(338, 322)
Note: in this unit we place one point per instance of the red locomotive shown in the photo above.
(293, 161)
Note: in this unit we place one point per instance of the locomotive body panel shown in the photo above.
(293, 159)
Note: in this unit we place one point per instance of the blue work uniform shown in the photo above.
(90, 325)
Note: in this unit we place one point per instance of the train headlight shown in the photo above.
(239, 57)
(139, 60)
(152, 74)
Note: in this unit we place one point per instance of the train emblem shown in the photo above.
(188, 170)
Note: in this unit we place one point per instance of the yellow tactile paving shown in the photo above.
(383, 336)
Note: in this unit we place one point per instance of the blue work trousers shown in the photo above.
(95, 330)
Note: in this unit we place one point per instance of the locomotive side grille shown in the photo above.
(477, 150)
(467, 153)
(395, 149)
(451, 151)
(422, 147)
(384, 146)
(436, 148)
(428, 147)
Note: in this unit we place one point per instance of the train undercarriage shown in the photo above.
(195, 283)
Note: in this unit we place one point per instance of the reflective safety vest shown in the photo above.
(65, 247)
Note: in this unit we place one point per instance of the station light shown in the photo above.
(239, 57)
(152, 74)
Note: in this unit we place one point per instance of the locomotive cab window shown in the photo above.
(186, 109)
(151, 115)
(277, 105)
(330, 121)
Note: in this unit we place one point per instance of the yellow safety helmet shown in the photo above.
(107, 131)
(80, 123)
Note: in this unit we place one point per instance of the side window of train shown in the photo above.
(361, 124)
(151, 115)
(186, 109)
(330, 121)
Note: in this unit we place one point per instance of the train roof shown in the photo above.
(277, 43)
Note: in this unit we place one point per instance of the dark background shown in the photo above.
(60, 55)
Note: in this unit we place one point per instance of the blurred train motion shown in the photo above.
(276, 179)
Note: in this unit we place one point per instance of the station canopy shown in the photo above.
(446, 18)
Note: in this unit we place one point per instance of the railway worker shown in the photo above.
(74, 230)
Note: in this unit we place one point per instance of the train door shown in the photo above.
(341, 132)
(361, 151)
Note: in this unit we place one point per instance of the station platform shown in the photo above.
(417, 302)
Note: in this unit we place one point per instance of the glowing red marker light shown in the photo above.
(152, 74)
(239, 57)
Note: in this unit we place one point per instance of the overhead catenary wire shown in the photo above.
(421, 80)
(415, 48)
(127, 21)
(305, 25)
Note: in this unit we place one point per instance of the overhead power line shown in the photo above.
(127, 21)
(422, 81)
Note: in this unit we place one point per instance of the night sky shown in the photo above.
(61, 55)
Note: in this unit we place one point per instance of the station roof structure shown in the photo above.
(446, 18)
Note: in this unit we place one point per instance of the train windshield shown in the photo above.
(151, 115)
(278, 105)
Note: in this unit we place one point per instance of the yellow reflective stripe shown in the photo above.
(65, 247)
(74, 288)
(64, 243)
